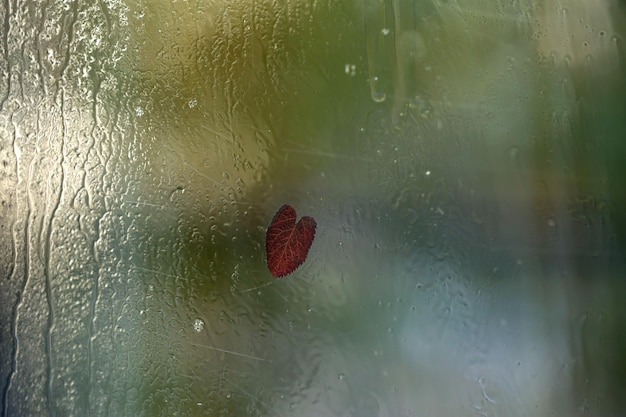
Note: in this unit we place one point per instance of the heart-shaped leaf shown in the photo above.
(287, 243)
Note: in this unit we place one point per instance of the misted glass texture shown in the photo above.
(465, 163)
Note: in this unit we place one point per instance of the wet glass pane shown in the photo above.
(463, 161)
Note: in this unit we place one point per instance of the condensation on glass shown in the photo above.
(464, 163)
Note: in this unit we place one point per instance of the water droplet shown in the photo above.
(378, 96)
(198, 325)
(376, 89)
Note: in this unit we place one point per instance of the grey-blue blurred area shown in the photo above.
(464, 161)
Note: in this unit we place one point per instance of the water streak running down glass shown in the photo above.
(463, 162)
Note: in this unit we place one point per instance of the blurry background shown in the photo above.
(464, 162)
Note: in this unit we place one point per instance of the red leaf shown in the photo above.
(287, 243)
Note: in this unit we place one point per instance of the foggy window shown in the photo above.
(463, 163)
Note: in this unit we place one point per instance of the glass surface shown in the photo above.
(465, 163)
